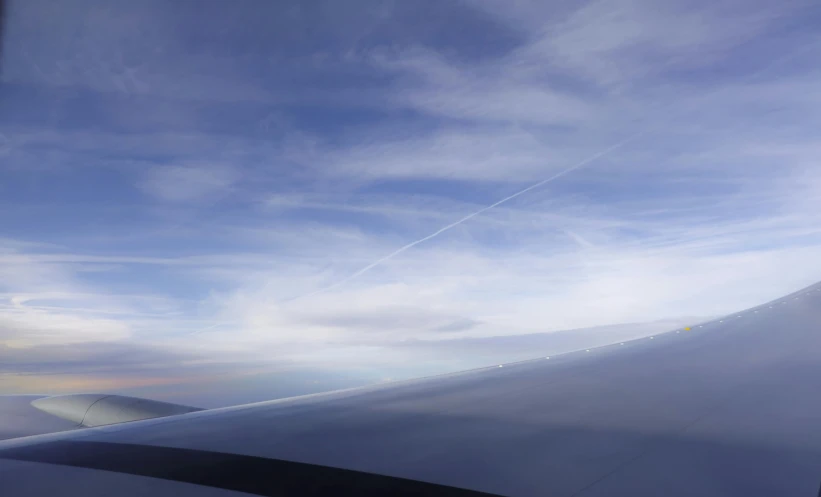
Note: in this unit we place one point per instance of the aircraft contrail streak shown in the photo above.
(473, 214)
(774, 63)
(561, 173)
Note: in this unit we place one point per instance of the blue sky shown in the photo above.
(225, 182)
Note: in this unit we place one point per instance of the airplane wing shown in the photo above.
(727, 408)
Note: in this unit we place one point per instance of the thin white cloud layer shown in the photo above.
(180, 183)
(169, 190)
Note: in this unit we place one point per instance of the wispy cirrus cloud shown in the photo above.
(193, 177)
(179, 183)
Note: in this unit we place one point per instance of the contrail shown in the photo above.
(774, 63)
(472, 215)
(443, 229)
